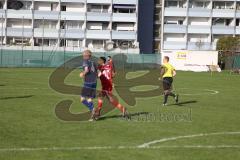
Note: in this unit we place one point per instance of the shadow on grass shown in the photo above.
(2, 85)
(17, 97)
(184, 103)
(120, 116)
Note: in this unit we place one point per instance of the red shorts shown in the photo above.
(106, 92)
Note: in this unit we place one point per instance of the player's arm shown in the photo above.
(162, 72)
(85, 71)
(174, 73)
(99, 74)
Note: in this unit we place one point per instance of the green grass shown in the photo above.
(28, 120)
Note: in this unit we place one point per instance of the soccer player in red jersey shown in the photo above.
(105, 75)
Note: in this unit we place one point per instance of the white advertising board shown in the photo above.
(197, 61)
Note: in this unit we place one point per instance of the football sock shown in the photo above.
(118, 105)
(89, 105)
(165, 98)
(100, 104)
(172, 94)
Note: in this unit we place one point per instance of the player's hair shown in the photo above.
(88, 52)
(167, 58)
(109, 57)
(104, 59)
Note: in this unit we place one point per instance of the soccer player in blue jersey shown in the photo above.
(90, 81)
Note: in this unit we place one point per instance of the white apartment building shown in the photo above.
(198, 24)
(78, 24)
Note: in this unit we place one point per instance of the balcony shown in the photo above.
(200, 46)
(26, 14)
(199, 12)
(94, 16)
(98, 34)
(174, 45)
(199, 29)
(124, 35)
(174, 28)
(124, 1)
(46, 33)
(176, 12)
(72, 33)
(124, 17)
(100, 2)
(223, 13)
(19, 32)
(51, 15)
(73, 1)
(222, 30)
(78, 16)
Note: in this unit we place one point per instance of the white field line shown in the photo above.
(118, 148)
(143, 146)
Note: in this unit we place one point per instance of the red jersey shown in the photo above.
(111, 64)
(106, 77)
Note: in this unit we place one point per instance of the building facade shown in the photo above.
(198, 24)
(99, 25)
(157, 26)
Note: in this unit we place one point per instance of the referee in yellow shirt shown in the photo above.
(167, 74)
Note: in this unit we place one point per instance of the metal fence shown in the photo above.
(45, 58)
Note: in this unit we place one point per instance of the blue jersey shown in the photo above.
(91, 76)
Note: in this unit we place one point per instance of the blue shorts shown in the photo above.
(89, 90)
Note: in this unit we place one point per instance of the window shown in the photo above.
(63, 8)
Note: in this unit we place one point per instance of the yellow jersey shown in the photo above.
(168, 70)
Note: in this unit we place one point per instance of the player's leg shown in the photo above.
(117, 105)
(88, 103)
(166, 88)
(167, 85)
(174, 95)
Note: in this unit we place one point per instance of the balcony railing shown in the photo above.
(46, 14)
(199, 12)
(98, 34)
(93, 16)
(72, 33)
(26, 14)
(73, 16)
(174, 28)
(124, 17)
(46, 33)
(174, 45)
(222, 29)
(19, 32)
(125, 35)
(199, 29)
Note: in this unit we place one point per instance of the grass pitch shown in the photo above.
(29, 128)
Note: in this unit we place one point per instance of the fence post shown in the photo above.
(43, 25)
(2, 41)
(22, 38)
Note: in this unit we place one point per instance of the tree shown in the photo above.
(229, 43)
(228, 47)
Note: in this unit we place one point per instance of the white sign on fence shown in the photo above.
(197, 61)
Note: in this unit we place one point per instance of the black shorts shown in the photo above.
(89, 90)
(167, 83)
